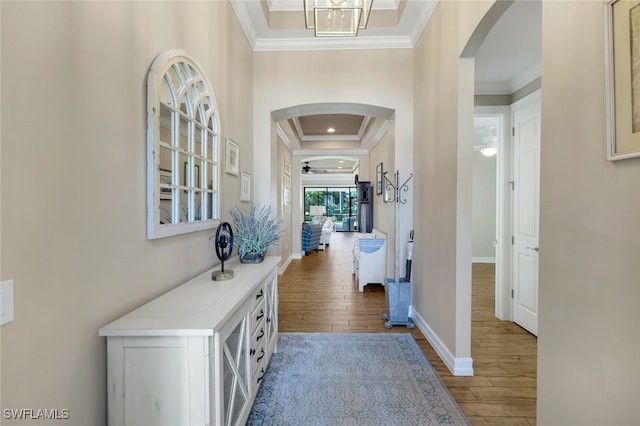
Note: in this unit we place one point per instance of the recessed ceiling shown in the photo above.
(508, 59)
(280, 25)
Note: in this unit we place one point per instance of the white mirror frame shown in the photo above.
(186, 151)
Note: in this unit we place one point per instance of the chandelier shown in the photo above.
(336, 18)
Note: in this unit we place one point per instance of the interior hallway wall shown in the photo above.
(588, 350)
(442, 257)
(484, 207)
(374, 77)
(384, 213)
(74, 181)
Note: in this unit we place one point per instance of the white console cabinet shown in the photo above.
(195, 355)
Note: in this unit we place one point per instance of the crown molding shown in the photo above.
(328, 43)
(511, 86)
(524, 78)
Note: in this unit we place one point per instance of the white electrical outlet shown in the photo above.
(6, 302)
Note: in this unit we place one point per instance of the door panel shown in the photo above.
(526, 205)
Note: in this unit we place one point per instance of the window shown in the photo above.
(182, 147)
(340, 204)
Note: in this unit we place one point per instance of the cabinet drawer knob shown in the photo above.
(259, 317)
(259, 295)
(261, 335)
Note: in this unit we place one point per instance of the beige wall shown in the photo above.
(284, 247)
(441, 264)
(384, 213)
(73, 187)
(284, 79)
(484, 206)
(588, 346)
(589, 229)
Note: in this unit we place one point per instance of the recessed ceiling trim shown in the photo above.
(283, 136)
(296, 5)
(323, 138)
(331, 108)
(324, 43)
(372, 142)
(298, 127)
(363, 127)
(341, 152)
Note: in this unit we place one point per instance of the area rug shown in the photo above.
(352, 379)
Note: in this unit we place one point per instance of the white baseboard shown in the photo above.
(285, 265)
(296, 256)
(483, 260)
(457, 366)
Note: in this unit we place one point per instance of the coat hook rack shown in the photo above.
(396, 190)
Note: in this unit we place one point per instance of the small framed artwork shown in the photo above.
(379, 178)
(232, 157)
(622, 50)
(287, 167)
(165, 179)
(286, 195)
(245, 186)
(286, 181)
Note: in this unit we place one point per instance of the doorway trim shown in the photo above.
(503, 209)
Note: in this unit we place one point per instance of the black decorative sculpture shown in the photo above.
(224, 248)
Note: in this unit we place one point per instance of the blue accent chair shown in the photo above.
(310, 237)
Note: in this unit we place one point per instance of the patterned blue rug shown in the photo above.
(352, 379)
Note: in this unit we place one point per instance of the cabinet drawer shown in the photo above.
(258, 375)
(258, 355)
(258, 296)
(258, 316)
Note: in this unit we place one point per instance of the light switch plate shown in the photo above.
(6, 302)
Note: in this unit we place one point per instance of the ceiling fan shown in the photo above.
(308, 169)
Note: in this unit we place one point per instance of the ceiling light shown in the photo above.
(488, 150)
(331, 130)
(341, 161)
(336, 18)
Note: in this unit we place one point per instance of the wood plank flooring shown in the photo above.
(318, 294)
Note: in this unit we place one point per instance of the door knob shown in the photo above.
(533, 248)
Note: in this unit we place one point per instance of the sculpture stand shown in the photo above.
(224, 248)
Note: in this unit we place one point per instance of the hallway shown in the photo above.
(318, 294)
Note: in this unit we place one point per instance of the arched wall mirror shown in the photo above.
(182, 147)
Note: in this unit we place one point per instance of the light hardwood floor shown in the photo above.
(318, 294)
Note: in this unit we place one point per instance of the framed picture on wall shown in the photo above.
(245, 186)
(232, 157)
(379, 178)
(287, 167)
(622, 50)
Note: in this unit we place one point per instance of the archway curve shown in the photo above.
(466, 110)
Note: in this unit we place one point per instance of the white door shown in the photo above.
(526, 176)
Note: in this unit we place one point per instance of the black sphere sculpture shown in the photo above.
(224, 248)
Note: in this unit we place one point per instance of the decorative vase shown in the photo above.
(252, 257)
